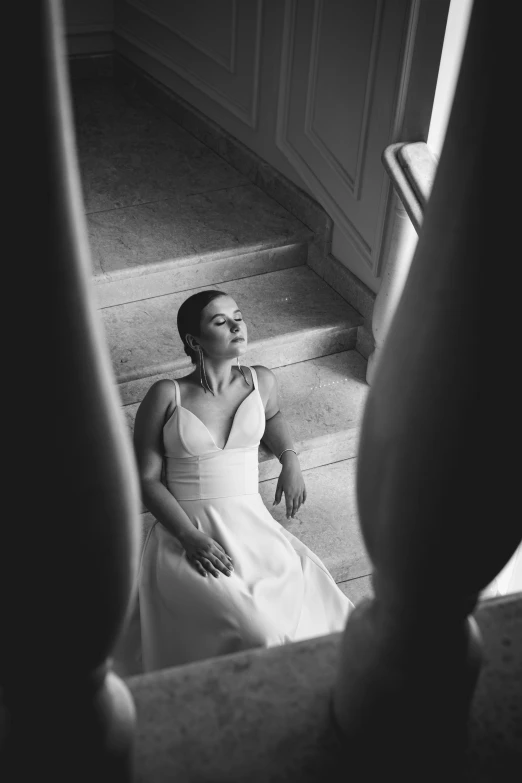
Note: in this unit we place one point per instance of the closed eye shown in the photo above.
(220, 323)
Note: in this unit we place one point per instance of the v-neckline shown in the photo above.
(231, 426)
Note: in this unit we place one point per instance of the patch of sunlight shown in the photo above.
(509, 580)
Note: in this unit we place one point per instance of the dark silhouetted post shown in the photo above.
(73, 543)
(438, 517)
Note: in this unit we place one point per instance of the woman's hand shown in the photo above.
(292, 484)
(206, 555)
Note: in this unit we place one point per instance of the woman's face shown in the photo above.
(222, 332)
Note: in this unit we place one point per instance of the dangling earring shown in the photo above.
(199, 361)
(242, 372)
(202, 374)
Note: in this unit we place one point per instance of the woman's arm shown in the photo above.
(204, 553)
(278, 438)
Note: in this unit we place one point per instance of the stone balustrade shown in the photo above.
(266, 716)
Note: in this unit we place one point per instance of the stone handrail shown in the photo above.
(412, 168)
(392, 694)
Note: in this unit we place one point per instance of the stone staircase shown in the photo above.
(156, 238)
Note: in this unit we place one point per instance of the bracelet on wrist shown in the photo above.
(294, 451)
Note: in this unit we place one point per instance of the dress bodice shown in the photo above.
(196, 468)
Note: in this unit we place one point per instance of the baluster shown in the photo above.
(74, 540)
(438, 521)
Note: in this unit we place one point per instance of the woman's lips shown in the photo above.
(238, 340)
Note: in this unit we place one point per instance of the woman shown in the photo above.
(218, 573)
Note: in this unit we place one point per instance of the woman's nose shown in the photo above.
(235, 327)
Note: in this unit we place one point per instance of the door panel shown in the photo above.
(342, 63)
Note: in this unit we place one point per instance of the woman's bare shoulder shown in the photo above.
(156, 406)
(160, 395)
(162, 389)
(266, 379)
(264, 374)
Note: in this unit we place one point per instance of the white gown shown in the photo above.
(279, 591)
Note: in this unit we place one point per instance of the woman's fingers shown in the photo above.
(227, 565)
(199, 567)
(221, 564)
(222, 554)
(224, 562)
(210, 559)
(278, 492)
(210, 566)
(214, 564)
(294, 503)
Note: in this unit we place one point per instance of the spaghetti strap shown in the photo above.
(254, 377)
(178, 396)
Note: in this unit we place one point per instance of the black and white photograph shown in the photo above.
(274, 534)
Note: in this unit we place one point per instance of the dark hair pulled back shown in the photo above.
(189, 316)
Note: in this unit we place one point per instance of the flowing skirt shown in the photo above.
(279, 591)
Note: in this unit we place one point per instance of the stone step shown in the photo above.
(328, 522)
(204, 239)
(130, 152)
(358, 589)
(292, 316)
(322, 401)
